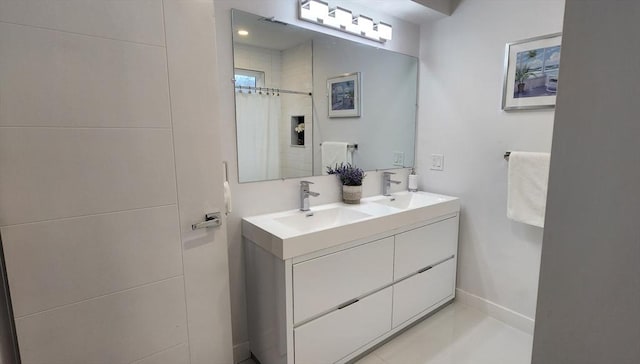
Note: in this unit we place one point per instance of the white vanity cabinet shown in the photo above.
(423, 290)
(324, 283)
(332, 305)
(341, 332)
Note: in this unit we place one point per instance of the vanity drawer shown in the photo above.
(423, 290)
(418, 248)
(324, 283)
(341, 332)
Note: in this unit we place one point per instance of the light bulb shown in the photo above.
(385, 31)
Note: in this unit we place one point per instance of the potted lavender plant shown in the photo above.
(351, 178)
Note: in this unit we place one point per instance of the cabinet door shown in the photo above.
(332, 337)
(418, 248)
(324, 283)
(422, 291)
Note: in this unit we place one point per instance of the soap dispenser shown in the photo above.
(413, 181)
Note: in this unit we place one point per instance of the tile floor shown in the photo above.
(457, 334)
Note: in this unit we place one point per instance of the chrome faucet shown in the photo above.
(386, 183)
(304, 195)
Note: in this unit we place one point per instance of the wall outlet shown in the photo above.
(398, 159)
(437, 162)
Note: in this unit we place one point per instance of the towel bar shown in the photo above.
(349, 146)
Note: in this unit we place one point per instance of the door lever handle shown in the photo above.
(212, 219)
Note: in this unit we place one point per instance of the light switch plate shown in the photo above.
(437, 162)
(398, 159)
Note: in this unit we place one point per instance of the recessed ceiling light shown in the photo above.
(243, 32)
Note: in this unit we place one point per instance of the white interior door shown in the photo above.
(193, 82)
(108, 154)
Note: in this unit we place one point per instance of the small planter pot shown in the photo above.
(351, 194)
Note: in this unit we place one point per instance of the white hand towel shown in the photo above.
(527, 187)
(334, 153)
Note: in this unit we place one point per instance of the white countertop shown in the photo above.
(287, 235)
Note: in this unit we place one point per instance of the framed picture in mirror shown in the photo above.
(344, 95)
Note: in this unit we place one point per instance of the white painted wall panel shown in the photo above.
(175, 355)
(118, 328)
(59, 262)
(64, 79)
(135, 21)
(85, 130)
(50, 173)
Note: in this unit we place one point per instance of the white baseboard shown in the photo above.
(241, 352)
(496, 311)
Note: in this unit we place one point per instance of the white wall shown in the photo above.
(459, 116)
(388, 109)
(106, 113)
(262, 197)
(590, 274)
(56, 125)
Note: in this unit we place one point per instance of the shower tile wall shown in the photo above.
(259, 59)
(296, 161)
(289, 69)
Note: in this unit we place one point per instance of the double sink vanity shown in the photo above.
(328, 284)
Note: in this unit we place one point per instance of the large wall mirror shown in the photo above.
(303, 97)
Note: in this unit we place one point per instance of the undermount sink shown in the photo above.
(411, 200)
(293, 233)
(306, 221)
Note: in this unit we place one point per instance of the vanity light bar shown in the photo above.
(319, 12)
(314, 10)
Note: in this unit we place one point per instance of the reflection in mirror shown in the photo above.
(273, 79)
(283, 76)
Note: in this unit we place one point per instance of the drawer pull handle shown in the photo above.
(425, 269)
(347, 304)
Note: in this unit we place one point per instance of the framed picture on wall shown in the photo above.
(531, 70)
(344, 95)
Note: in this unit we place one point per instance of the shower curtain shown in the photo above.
(258, 145)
